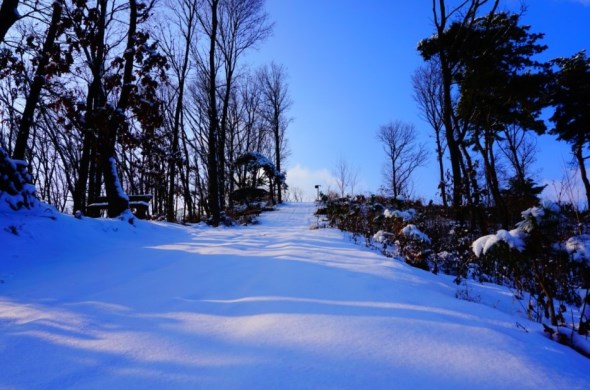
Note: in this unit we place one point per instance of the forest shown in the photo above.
(104, 99)
(100, 99)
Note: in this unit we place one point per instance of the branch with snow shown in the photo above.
(412, 232)
(406, 215)
(578, 247)
(513, 238)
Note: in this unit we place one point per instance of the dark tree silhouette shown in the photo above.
(571, 99)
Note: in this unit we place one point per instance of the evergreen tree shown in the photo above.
(571, 99)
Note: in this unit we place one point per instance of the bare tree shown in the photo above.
(345, 176)
(520, 149)
(177, 47)
(404, 155)
(295, 194)
(276, 103)
(428, 94)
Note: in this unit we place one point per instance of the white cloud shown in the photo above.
(306, 179)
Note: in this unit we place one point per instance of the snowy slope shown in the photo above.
(101, 304)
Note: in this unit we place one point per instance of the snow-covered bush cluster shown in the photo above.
(545, 258)
(424, 237)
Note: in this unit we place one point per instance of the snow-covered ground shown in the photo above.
(102, 304)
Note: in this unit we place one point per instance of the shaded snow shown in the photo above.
(97, 304)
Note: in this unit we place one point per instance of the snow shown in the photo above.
(538, 213)
(406, 215)
(96, 304)
(383, 237)
(578, 247)
(513, 238)
(412, 231)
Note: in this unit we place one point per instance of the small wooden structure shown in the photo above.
(139, 205)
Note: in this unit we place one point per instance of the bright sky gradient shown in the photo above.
(350, 64)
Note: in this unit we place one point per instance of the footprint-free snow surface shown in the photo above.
(101, 304)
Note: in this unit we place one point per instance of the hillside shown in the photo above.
(96, 304)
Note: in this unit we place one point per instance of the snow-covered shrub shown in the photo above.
(578, 247)
(450, 241)
(514, 239)
(413, 233)
(16, 190)
(414, 246)
(388, 243)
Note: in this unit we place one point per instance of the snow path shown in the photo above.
(272, 306)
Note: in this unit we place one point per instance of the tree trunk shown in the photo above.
(578, 153)
(277, 131)
(81, 184)
(175, 149)
(8, 16)
(212, 137)
(491, 176)
(452, 144)
(441, 168)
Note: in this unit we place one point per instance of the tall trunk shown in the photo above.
(487, 154)
(222, 139)
(81, 183)
(578, 153)
(212, 137)
(176, 127)
(472, 191)
(117, 199)
(441, 168)
(394, 183)
(90, 178)
(37, 85)
(277, 134)
(170, 214)
(185, 180)
(452, 144)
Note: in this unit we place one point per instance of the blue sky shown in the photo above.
(350, 64)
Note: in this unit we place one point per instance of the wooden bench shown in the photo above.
(139, 205)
